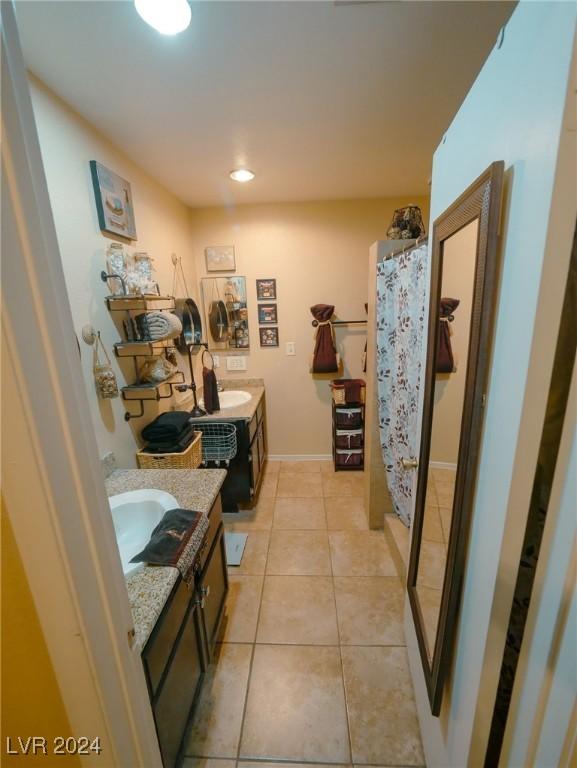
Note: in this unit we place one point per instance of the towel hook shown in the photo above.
(206, 351)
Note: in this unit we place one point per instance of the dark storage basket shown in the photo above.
(348, 458)
(349, 438)
(348, 418)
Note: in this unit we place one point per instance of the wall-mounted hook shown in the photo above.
(89, 334)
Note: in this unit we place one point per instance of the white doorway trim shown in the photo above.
(52, 485)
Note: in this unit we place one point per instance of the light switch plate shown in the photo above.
(216, 361)
(290, 348)
(236, 363)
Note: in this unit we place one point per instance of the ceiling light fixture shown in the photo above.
(242, 175)
(169, 17)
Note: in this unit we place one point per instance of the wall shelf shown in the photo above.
(146, 391)
(141, 348)
(143, 303)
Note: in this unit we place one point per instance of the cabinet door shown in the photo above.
(174, 703)
(213, 586)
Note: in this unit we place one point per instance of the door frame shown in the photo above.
(52, 484)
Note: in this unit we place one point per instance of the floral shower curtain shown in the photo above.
(401, 290)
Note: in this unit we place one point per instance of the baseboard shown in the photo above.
(443, 465)
(300, 457)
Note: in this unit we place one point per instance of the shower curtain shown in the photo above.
(401, 290)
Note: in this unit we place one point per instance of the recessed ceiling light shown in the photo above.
(169, 17)
(241, 174)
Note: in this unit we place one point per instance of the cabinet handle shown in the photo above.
(199, 602)
(205, 591)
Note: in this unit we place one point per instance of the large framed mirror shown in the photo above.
(461, 307)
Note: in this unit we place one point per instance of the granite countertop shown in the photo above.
(150, 586)
(255, 389)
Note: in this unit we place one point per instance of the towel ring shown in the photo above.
(206, 352)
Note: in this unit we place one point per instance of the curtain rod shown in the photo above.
(406, 249)
(340, 322)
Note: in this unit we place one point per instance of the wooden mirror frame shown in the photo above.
(481, 201)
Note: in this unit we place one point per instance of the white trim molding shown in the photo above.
(300, 457)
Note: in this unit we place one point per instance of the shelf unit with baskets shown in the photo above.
(141, 392)
(348, 429)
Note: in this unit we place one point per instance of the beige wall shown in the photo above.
(318, 253)
(459, 254)
(68, 143)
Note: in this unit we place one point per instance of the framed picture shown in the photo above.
(220, 258)
(265, 289)
(113, 202)
(267, 314)
(268, 337)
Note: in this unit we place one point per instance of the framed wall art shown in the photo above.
(265, 289)
(113, 202)
(268, 337)
(220, 258)
(267, 314)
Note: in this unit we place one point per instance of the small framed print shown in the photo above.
(265, 289)
(268, 337)
(267, 314)
(220, 258)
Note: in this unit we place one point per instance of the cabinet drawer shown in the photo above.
(158, 648)
(214, 521)
(213, 586)
(178, 692)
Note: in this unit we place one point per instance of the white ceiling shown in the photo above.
(322, 100)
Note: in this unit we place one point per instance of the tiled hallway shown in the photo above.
(312, 666)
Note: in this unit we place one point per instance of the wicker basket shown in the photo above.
(191, 458)
(339, 394)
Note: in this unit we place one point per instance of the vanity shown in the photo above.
(176, 626)
(244, 473)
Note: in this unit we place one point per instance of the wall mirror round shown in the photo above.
(462, 297)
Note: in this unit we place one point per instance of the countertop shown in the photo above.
(149, 587)
(244, 411)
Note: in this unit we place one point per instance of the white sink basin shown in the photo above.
(231, 398)
(135, 515)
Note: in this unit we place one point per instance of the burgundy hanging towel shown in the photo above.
(325, 354)
(445, 361)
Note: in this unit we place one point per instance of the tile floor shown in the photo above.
(312, 666)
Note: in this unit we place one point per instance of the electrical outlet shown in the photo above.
(290, 348)
(236, 363)
(216, 361)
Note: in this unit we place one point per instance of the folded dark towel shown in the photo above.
(172, 446)
(166, 427)
(210, 390)
(175, 541)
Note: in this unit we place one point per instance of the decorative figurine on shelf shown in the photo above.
(407, 224)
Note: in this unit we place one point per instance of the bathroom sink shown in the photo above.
(135, 514)
(231, 398)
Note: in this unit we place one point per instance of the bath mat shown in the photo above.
(234, 544)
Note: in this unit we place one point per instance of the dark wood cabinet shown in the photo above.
(244, 472)
(212, 589)
(180, 687)
(180, 647)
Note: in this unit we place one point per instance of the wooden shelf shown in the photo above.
(141, 348)
(151, 391)
(142, 303)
